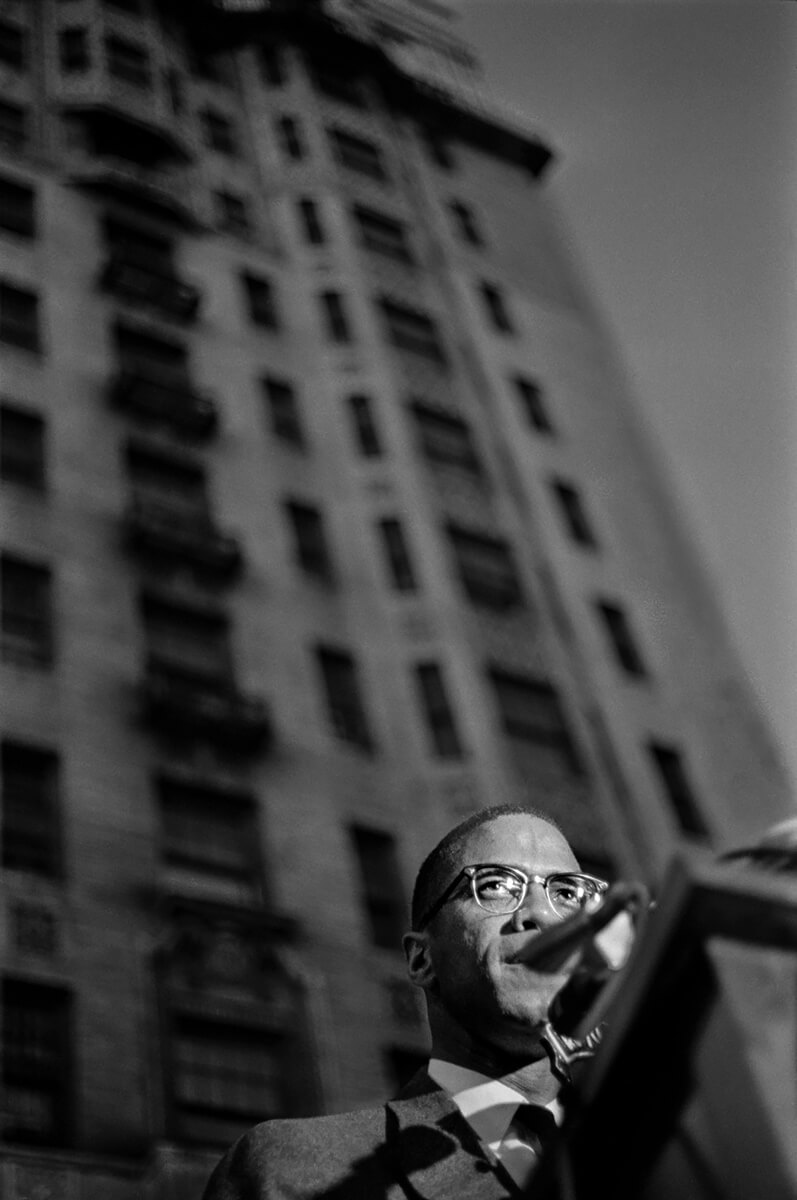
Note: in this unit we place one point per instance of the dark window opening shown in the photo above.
(19, 317)
(397, 555)
(333, 312)
(309, 538)
(438, 712)
(358, 154)
(31, 832)
(365, 431)
(310, 217)
(283, 410)
(530, 711)
(26, 626)
(73, 50)
(187, 643)
(412, 330)
(272, 65)
(289, 137)
(673, 777)
(219, 132)
(128, 61)
(37, 1074)
(621, 638)
(574, 513)
(446, 438)
(210, 837)
(486, 568)
(13, 51)
(495, 306)
(17, 207)
(261, 301)
(339, 676)
(532, 400)
(232, 214)
(382, 234)
(14, 128)
(21, 447)
(465, 223)
(381, 888)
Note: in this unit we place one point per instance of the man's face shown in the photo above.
(475, 979)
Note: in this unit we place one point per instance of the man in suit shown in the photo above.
(471, 1124)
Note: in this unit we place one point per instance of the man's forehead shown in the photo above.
(513, 838)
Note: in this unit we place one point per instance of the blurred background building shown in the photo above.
(326, 522)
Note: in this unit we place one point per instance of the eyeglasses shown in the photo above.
(502, 890)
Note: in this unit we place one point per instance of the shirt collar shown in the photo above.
(488, 1105)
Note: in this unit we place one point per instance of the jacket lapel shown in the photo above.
(434, 1150)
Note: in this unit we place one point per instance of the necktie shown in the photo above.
(529, 1130)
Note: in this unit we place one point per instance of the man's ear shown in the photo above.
(419, 959)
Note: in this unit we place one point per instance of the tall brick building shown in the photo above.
(325, 522)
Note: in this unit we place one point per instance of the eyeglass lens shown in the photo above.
(500, 891)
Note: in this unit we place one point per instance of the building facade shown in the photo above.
(326, 522)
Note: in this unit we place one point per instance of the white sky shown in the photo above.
(676, 126)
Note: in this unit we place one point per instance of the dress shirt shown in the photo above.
(489, 1106)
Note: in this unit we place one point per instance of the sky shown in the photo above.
(676, 130)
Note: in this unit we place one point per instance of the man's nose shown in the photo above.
(535, 912)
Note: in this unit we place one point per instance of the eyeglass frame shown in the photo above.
(470, 874)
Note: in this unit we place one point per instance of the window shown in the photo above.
(496, 309)
(381, 888)
(338, 82)
(185, 642)
(14, 133)
(412, 330)
(36, 1064)
(310, 218)
(621, 638)
(310, 543)
(486, 568)
(260, 300)
(208, 65)
(19, 316)
(219, 132)
(232, 214)
(31, 833)
(175, 487)
(143, 353)
(465, 223)
(439, 149)
(139, 246)
(531, 399)
(574, 513)
(224, 1078)
(17, 208)
(333, 313)
(73, 50)
(21, 447)
(25, 617)
(289, 138)
(397, 555)
(272, 65)
(445, 438)
(357, 154)
(437, 711)
(672, 775)
(365, 431)
(341, 686)
(383, 234)
(12, 45)
(210, 837)
(283, 410)
(530, 711)
(128, 61)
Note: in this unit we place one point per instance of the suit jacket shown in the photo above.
(415, 1147)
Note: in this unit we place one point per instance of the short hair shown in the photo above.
(432, 879)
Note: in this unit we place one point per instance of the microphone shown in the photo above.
(549, 949)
